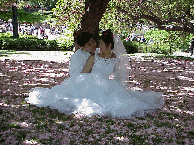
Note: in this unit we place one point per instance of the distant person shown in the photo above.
(191, 48)
(42, 31)
(143, 40)
(37, 32)
(32, 30)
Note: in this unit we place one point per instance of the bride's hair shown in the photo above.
(83, 38)
(107, 37)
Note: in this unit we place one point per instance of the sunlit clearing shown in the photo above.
(23, 124)
(2, 75)
(188, 88)
(29, 142)
(185, 78)
(44, 79)
(58, 122)
(7, 105)
(121, 138)
(53, 74)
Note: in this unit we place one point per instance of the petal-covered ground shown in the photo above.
(21, 123)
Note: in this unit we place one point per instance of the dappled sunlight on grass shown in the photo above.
(23, 123)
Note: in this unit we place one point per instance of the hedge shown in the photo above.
(22, 44)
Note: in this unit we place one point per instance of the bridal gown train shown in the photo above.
(94, 93)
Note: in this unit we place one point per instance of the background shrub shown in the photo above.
(130, 46)
(22, 44)
(29, 43)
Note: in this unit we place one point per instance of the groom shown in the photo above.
(87, 45)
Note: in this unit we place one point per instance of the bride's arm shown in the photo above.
(89, 64)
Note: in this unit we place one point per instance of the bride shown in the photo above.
(92, 92)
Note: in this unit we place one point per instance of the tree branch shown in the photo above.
(186, 25)
(177, 28)
(147, 17)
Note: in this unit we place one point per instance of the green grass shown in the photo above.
(44, 118)
(155, 55)
(10, 52)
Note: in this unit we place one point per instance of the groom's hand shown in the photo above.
(89, 64)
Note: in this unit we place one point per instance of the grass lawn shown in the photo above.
(10, 52)
(22, 123)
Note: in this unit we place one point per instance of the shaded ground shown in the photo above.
(27, 124)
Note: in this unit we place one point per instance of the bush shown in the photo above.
(130, 46)
(29, 42)
(66, 40)
(1, 43)
(156, 48)
(27, 36)
(174, 39)
(21, 44)
(5, 35)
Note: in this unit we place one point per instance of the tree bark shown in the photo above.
(94, 10)
(15, 22)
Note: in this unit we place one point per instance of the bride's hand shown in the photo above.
(89, 64)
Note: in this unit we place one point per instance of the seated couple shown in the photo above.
(89, 91)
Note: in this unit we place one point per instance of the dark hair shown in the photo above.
(107, 37)
(83, 38)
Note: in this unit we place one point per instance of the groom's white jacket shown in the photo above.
(77, 62)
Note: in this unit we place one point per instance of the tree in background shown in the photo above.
(169, 15)
(126, 16)
(81, 15)
(13, 9)
(5, 6)
(122, 15)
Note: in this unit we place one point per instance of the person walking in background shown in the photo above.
(32, 30)
(37, 32)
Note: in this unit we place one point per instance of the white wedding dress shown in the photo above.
(94, 93)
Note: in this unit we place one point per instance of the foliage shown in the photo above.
(28, 44)
(69, 12)
(5, 35)
(27, 36)
(5, 5)
(32, 3)
(8, 35)
(170, 15)
(130, 46)
(164, 40)
(123, 22)
(23, 16)
(116, 21)
(66, 40)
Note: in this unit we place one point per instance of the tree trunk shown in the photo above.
(15, 22)
(94, 10)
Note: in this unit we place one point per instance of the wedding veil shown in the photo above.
(121, 71)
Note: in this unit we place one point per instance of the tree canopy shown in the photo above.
(169, 15)
(122, 15)
(6, 12)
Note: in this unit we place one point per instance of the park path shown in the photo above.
(57, 56)
(60, 56)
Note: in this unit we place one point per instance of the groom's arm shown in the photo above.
(89, 64)
(76, 61)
